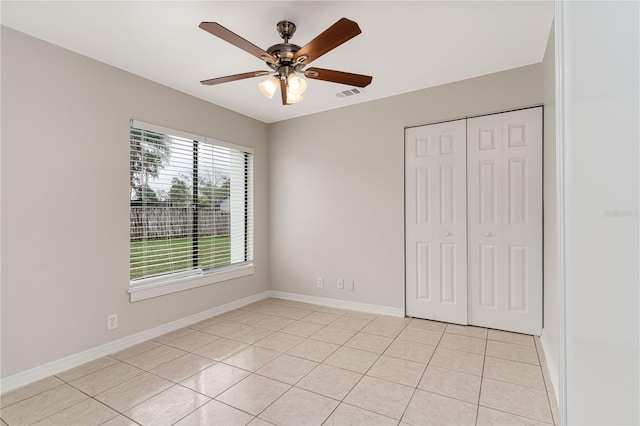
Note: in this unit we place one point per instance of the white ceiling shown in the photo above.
(405, 46)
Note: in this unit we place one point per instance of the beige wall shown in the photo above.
(552, 301)
(336, 185)
(65, 204)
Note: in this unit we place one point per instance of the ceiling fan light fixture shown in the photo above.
(293, 99)
(269, 86)
(296, 85)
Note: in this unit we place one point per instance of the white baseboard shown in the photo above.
(54, 367)
(341, 304)
(552, 367)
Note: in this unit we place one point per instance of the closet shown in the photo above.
(473, 221)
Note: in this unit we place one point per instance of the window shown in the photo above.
(191, 213)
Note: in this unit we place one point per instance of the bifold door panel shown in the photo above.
(504, 158)
(473, 221)
(436, 263)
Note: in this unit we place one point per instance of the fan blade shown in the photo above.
(234, 77)
(332, 37)
(233, 38)
(283, 91)
(348, 78)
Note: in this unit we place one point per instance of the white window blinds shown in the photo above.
(191, 204)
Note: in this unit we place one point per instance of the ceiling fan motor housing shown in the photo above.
(285, 52)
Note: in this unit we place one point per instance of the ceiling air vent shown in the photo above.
(350, 92)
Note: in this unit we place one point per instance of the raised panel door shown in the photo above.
(504, 156)
(435, 222)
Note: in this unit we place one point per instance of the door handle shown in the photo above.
(488, 234)
(447, 234)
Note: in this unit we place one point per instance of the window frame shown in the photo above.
(155, 286)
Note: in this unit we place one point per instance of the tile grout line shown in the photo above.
(365, 374)
(341, 401)
(292, 386)
(455, 371)
(484, 360)
(172, 385)
(421, 376)
(35, 394)
(60, 410)
(518, 415)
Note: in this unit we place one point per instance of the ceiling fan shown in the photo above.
(288, 59)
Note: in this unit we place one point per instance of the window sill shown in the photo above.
(147, 291)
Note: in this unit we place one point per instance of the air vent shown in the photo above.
(350, 92)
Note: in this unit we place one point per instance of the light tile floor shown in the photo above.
(282, 362)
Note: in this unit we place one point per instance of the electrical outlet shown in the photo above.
(112, 322)
(350, 285)
(340, 283)
(320, 282)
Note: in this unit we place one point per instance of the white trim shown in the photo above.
(167, 131)
(157, 288)
(552, 368)
(560, 204)
(186, 135)
(341, 304)
(167, 278)
(54, 367)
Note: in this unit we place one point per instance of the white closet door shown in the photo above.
(435, 220)
(505, 220)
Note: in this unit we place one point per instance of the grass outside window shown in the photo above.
(156, 257)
